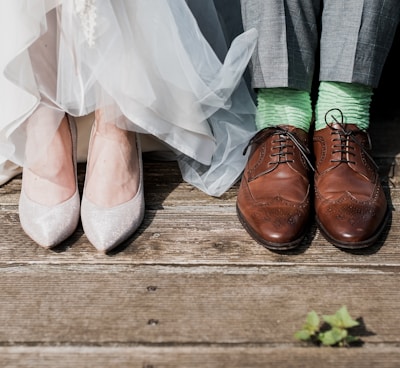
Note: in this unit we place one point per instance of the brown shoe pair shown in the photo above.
(273, 202)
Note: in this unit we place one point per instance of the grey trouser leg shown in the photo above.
(355, 40)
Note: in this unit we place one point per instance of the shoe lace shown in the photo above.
(283, 145)
(343, 136)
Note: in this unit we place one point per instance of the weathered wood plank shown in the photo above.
(192, 240)
(107, 304)
(201, 236)
(185, 226)
(211, 357)
(164, 186)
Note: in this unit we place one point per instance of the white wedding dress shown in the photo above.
(146, 60)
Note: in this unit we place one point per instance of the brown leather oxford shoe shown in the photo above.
(273, 202)
(350, 204)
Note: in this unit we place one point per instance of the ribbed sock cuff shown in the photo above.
(283, 106)
(353, 100)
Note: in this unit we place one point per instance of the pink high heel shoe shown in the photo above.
(107, 227)
(47, 225)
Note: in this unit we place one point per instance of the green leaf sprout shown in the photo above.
(336, 335)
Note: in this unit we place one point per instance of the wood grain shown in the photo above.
(192, 289)
(199, 356)
(96, 304)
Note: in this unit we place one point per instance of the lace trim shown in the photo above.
(86, 9)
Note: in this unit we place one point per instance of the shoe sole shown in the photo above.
(267, 244)
(354, 245)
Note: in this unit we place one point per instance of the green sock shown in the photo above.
(283, 106)
(353, 100)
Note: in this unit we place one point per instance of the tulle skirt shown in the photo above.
(145, 63)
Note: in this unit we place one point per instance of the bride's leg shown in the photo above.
(49, 202)
(112, 174)
(50, 178)
(113, 200)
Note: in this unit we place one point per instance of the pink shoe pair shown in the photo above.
(105, 223)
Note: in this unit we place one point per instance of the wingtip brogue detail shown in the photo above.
(273, 201)
(350, 204)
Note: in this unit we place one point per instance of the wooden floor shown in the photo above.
(191, 289)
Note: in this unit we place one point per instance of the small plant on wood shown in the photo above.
(334, 332)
